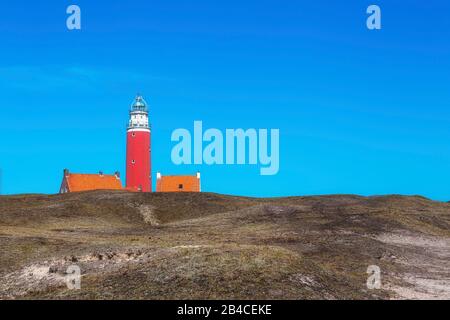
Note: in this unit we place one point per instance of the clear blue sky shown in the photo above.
(359, 111)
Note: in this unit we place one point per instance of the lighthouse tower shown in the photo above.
(138, 148)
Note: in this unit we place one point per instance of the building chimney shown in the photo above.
(66, 172)
(101, 173)
(158, 175)
(199, 182)
(117, 174)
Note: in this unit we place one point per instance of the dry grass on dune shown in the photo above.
(209, 246)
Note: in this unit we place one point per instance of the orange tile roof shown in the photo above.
(173, 183)
(85, 182)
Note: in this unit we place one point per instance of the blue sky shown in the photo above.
(359, 111)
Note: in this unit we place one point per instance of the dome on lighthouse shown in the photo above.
(139, 104)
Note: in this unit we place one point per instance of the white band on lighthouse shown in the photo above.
(138, 130)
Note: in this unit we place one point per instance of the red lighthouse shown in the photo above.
(138, 148)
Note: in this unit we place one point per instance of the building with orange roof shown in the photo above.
(74, 182)
(178, 183)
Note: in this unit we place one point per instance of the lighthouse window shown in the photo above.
(133, 161)
(133, 134)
